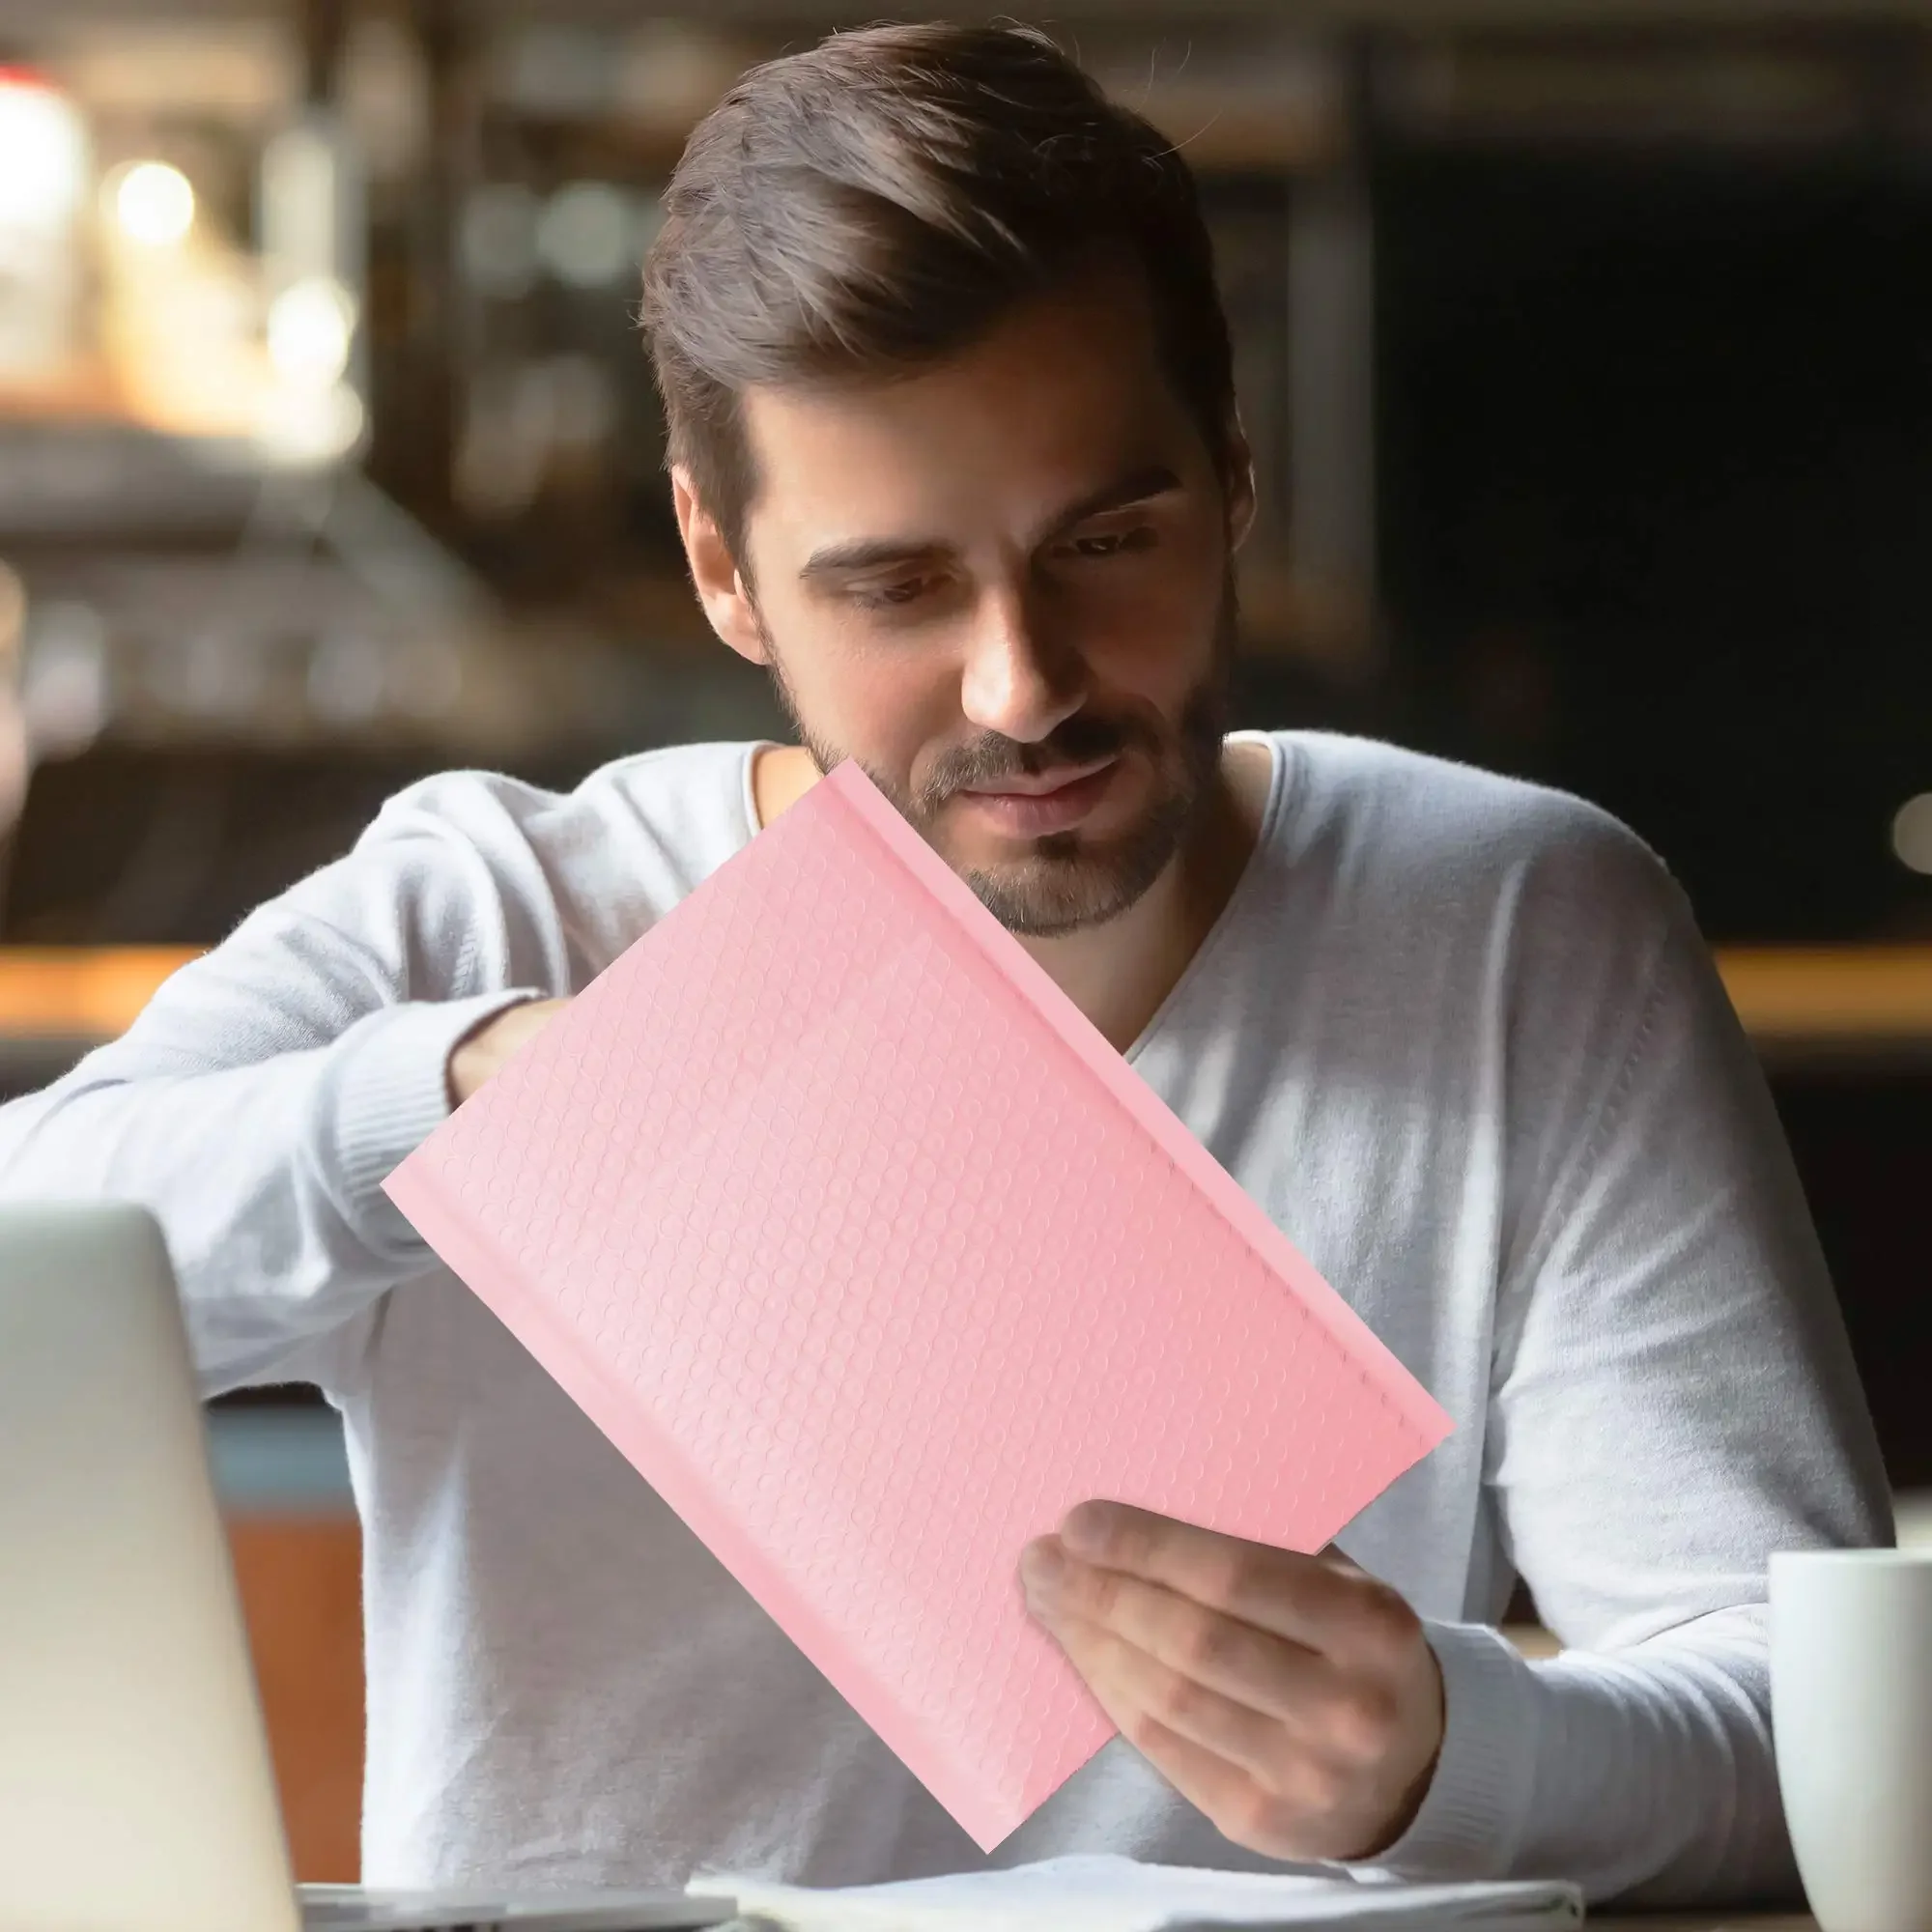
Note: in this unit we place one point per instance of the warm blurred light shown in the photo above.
(425, 677)
(154, 203)
(585, 235)
(13, 618)
(346, 679)
(580, 404)
(42, 154)
(1912, 833)
(304, 425)
(311, 331)
(67, 693)
(91, 992)
(499, 239)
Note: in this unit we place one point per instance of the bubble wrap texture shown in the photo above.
(873, 1258)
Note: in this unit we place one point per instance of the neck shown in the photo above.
(1119, 974)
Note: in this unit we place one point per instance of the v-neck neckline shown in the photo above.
(1273, 811)
(1215, 938)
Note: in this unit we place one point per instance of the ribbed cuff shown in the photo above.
(1472, 1820)
(391, 1094)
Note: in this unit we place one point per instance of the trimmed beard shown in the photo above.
(1066, 883)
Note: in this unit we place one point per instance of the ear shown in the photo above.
(720, 585)
(1240, 485)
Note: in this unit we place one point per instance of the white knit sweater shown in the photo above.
(1456, 1035)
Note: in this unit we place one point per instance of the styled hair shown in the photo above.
(876, 204)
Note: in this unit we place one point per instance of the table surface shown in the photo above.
(1707, 1921)
(1654, 1921)
(1642, 1922)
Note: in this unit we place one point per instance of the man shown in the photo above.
(954, 454)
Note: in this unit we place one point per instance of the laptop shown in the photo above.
(135, 1782)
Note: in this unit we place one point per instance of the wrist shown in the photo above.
(387, 1091)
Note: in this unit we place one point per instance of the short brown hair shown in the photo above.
(880, 201)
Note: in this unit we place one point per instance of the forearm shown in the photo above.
(267, 1177)
(1645, 1774)
(1673, 1400)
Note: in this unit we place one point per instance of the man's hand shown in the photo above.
(1293, 1700)
(483, 1052)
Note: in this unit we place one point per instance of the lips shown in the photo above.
(1042, 785)
(1037, 806)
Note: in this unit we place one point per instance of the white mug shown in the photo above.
(1850, 1692)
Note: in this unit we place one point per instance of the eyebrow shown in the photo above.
(879, 553)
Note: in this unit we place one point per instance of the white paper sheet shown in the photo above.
(1102, 1894)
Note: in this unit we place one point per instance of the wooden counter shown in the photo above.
(87, 993)
(1790, 998)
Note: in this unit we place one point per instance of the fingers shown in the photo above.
(1223, 1654)
(1321, 1602)
(1294, 1699)
(1137, 1689)
(1243, 1771)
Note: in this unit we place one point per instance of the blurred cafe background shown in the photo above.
(1586, 347)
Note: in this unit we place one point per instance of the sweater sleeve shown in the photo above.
(1673, 1398)
(261, 1099)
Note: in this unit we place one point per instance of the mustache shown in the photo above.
(1084, 739)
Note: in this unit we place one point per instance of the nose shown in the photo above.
(1017, 681)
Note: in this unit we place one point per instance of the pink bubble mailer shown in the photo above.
(833, 1212)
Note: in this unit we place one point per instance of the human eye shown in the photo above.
(1097, 544)
(895, 594)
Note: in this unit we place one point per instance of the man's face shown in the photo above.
(1003, 587)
